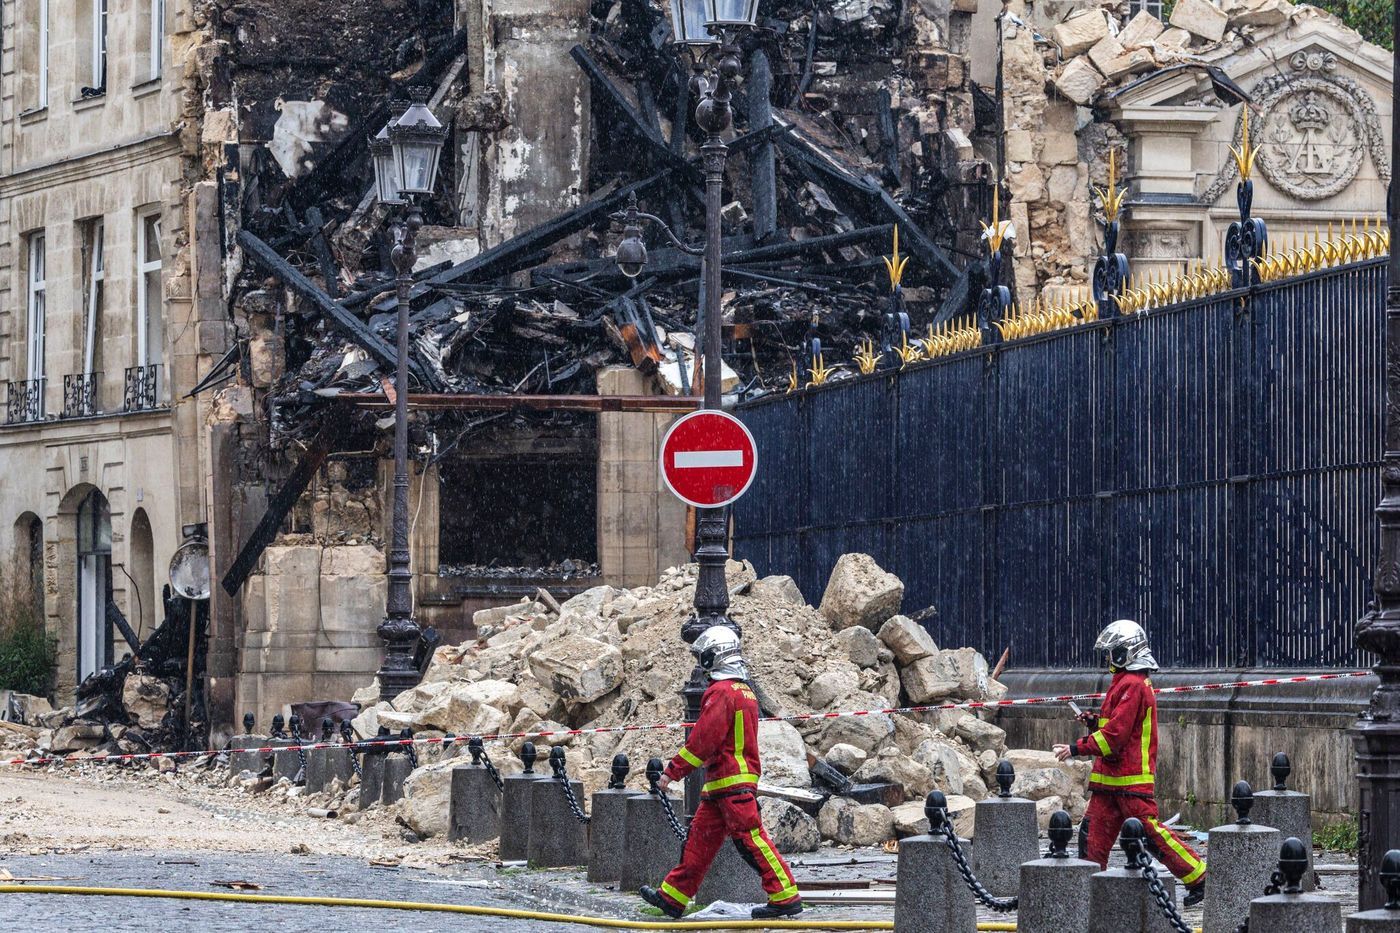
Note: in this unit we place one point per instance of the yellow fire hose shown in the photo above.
(503, 912)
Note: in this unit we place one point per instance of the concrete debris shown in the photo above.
(860, 593)
(619, 659)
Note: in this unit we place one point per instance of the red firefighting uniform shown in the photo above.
(724, 741)
(1125, 751)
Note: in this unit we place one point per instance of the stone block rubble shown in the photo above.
(613, 656)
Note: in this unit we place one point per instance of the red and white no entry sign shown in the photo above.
(708, 459)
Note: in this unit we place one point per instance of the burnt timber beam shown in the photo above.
(663, 404)
(281, 504)
(655, 143)
(490, 263)
(763, 178)
(347, 322)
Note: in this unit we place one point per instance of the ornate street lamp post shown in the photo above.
(1377, 734)
(706, 29)
(405, 155)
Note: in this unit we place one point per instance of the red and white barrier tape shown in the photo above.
(391, 743)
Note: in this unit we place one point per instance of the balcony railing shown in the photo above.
(80, 394)
(142, 385)
(26, 401)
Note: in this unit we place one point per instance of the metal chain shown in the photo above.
(982, 894)
(354, 758)
(574, 807)
(1275, 886)
(1164, 902)
(670, 814)
(301, 754)
(491, 770)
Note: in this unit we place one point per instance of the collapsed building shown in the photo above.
(543, 377)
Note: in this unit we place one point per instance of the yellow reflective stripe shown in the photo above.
(1103, 743)
(722, 783)
(1127, 780)
(789, 886)
(1146, 741)
(739, 744)
(1198, 867)
(690, 759)
(674, 895)
(1103, 721)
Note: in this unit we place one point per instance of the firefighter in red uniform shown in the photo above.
(1124, 748)
(724, 741)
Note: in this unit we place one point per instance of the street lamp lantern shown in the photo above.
(405, 155)
(731, 12)
(416, 139)
(387, 183)
(688, 18)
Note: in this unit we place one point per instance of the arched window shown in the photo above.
(94, 584)
(35, 535)
(141, 608)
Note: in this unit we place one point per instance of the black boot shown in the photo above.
(1194, 894)
(656, 899)
(774, 911)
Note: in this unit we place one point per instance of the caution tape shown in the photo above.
(389, 744)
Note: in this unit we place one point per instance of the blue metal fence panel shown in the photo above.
(1209, 468)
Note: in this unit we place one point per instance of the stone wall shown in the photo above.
(310, 626)
(641, 526)
(1210, 740)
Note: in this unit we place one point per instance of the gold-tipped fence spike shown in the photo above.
(894, 265)
(1245, 155)
(993, 233)
(866, 358)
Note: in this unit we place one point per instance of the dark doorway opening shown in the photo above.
(519, 513)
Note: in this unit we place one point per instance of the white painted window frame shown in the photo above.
(43, 75)
(97, 274)
(144, 356)
(37, 301)
(157, 37)
(99, 44)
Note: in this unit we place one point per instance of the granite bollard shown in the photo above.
(930, 896)
(1242, 859)
(474, 808)
(731, 878)
(1288, 811)
(1385, 919)
(336, 765)
(316, 777)
(372, 771)
(397, 767)
(1119, 899)
(608, 825)
(1054, 895)
(240, 759)
(515, 807)
(650, 847)
(1291, 909)
(1006, 836)
(557, 838)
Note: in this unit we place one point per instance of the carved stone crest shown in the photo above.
(1313, 130)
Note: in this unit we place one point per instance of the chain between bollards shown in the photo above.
(479, 757)
(301, 752)
(653, 777)
(1131, 838)
(936, 809)
(556, 763)
(347, 737)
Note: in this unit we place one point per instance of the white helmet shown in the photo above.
(717, 650)
(1125, 643)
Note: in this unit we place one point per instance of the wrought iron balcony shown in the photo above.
(142, 384)
(26, 401)
(80, 394)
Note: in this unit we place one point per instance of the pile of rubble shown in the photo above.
(612, 657)
(136, 705)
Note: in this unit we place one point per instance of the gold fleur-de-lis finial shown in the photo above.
(1245, 154)
(894, 264)
(993, 232)
(1111, 197)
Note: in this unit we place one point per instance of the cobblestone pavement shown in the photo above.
(121, 832)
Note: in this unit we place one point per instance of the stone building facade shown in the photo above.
(100, 313)
(1081, 79)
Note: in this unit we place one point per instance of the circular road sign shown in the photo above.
(708, 459)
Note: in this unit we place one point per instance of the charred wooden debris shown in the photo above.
(824, 168)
